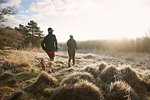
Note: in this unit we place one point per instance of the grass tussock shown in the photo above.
(108, 74)
(4, 52)
(48, 92)
(5, 92)
(8, 79)
(16, 96)
(79, 91)
(91, 70)
(15, 67)
(102, 66)
(130, 76)
(61, 74)
(13, 80)
(89, 56)
(5, 76)
(45, 80)
(146, 81)
(121, 91)
(76, 77)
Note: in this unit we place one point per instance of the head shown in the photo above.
(71, 36)
(50, 30)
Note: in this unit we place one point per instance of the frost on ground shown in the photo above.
(102, 76)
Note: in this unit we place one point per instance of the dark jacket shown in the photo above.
(49, 43)
(72, 45)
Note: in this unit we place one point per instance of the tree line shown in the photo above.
(30, 35)
(23, 36)
(139, 44)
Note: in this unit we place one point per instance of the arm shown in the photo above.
(67, 43)
(75, 44)
(56, 48)
(42, 44)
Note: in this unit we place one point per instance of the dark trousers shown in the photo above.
(71, 54)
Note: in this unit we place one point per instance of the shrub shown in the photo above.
(10, 37)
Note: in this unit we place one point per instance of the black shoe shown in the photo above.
(69, 65)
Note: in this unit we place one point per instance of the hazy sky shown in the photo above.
(85, 19)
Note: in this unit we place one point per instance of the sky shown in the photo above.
(84, 19)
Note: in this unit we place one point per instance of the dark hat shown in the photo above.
(50, 29)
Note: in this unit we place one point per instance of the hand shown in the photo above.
(56, 50)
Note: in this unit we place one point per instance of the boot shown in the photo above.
(69, 65)
(42, 64)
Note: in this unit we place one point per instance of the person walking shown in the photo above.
(72, 46)
(49, 45)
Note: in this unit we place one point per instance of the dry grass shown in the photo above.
(18, 70)
(42, 82)
(60, 75)
(4, 52)
(76, 77)
(8, 79)
(15, 80)
(145, 81)
(121, 91)
(130, 76)
(79, 91)
(92, 70)
(89, 56)
(108, 74)
(5, 76)
(16, 96)
(102, 66)
(14, 66)
(47, 79)
(5, 92)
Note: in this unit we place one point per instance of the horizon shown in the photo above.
(84, 19)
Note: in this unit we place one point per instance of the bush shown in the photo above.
(10, 37)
